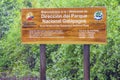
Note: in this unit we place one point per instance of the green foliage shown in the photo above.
(64, 62)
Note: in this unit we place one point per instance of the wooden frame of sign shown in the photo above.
(64, 25)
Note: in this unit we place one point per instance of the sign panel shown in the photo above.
(64, 25)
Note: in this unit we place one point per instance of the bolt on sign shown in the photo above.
(64, 25)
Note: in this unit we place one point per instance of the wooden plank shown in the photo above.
(64, 25)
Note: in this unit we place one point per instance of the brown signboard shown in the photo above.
(64, 25)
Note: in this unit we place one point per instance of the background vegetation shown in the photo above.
(64, 62)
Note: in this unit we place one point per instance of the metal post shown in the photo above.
(86, 62)
(42, 62)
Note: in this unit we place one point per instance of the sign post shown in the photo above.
(86, 51)
(42, 62)
(64, 26)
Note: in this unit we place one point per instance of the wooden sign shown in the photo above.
(64, 25)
